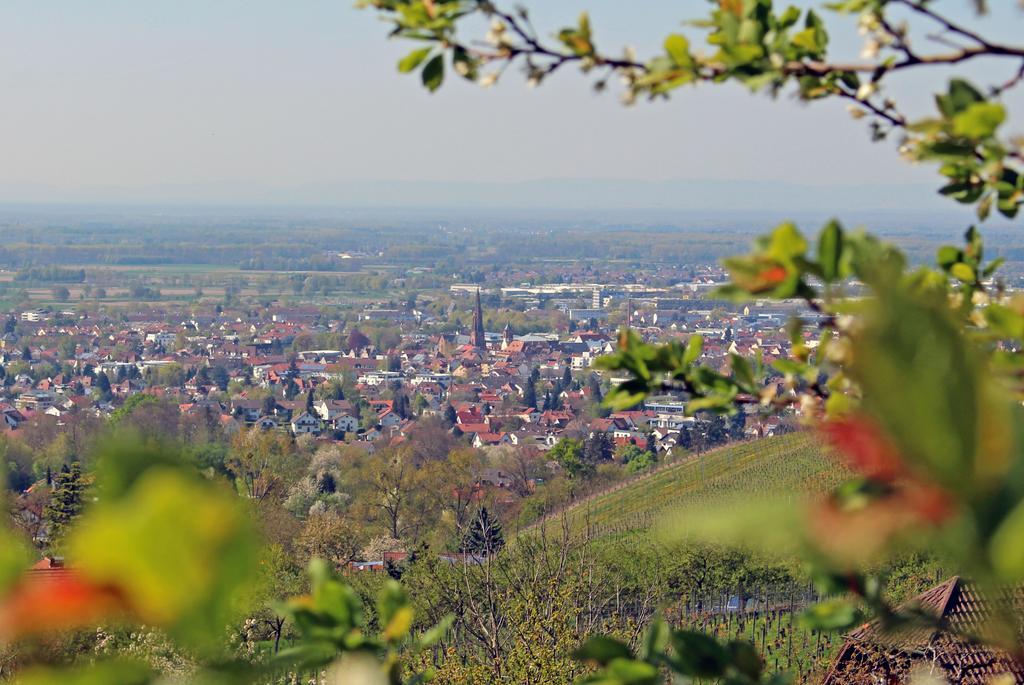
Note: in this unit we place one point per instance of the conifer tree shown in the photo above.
(483, 536)
(65, 503)
(103, 385)
(598, 448)
(530, 394)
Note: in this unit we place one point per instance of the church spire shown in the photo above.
(477, 339)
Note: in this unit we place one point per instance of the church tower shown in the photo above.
(506, 336)
(477, 338)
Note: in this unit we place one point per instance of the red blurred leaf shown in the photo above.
(732, 6)
(62, 600)
(856, 536)
(773, 275)
(865, 448)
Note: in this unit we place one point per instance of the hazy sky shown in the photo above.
(149, 96)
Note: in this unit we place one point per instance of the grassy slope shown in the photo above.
(784, 465)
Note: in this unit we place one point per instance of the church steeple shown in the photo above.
(506, 335)
(477, 338)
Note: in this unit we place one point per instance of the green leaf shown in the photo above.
(746, 659)
(911, 341)
(805, 39)
(678, 48)
(720, 402)
(436, 634)
(14, 558)
(413, 60)
(698, 655)
(626, 395)
(786, 242)
(992, 267)
(183, 552)
(630, 672)
(603, 650)
(119, 672)
(979, 120)
(789, 367)
(743, 372)
(961, 95)
(694, 348)
(394, 613)
(390, 600)
(308, 654)
(948, 255)
(832, 615)
(656, 638)
(1006, 549)
(464, 64)
(830, 251)
(963, 272)
(433, 73)
(337, 601)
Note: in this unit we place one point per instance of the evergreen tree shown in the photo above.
(567, 378)
(530, 394)
(483, 536)
(717, 433)
(685, 438)
(291, 389)
(401, 405)
(598, 448)
(10, 324)
(202, 375)
(219, 376)
(65, 503)
(26, 354)
(103, 385)
(309, 402)
(738, 426)
(449, 415)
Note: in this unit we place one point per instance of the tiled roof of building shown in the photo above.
(871, 655)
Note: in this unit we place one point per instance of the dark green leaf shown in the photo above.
(433, 73)
(698, 655)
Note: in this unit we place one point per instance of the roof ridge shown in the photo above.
(954, 584)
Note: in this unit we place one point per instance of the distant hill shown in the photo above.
(784, 466)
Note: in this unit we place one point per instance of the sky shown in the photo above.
(299, 102)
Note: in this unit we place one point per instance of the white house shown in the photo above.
(306, 423)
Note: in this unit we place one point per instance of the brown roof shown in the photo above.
(872, 655)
